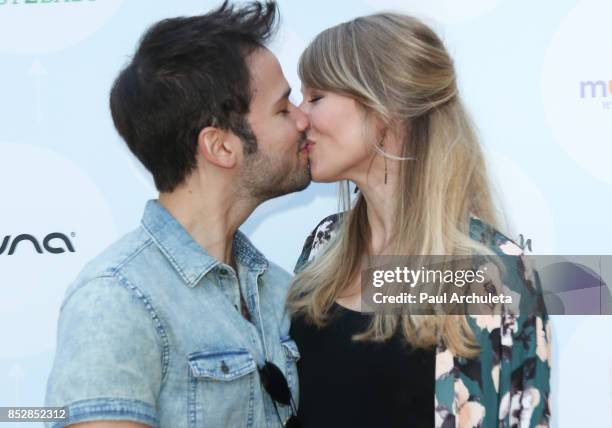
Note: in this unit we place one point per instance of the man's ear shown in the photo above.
(218, 147)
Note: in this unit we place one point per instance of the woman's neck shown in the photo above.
(380, 206)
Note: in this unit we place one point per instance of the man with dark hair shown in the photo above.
(181, 323)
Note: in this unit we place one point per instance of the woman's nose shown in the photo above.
(304, 106)
(302, 121)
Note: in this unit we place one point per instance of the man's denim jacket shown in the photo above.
(151, 331)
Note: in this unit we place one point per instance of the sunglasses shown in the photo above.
(276, 386)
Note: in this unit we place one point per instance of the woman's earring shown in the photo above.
(381, 144)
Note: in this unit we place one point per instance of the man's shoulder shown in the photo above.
(107, 265)
(276, 274)
(276, 283)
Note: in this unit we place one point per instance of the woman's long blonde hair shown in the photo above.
(398, 69)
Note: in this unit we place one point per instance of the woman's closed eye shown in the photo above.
(314, 99)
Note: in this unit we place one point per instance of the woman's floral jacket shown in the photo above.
(508, 384)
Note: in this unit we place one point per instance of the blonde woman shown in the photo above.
(381, 95)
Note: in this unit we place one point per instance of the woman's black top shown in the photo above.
(344, 383)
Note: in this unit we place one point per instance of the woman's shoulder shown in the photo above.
(490, 236)
(515, 275)
(518, 274)
(323, 233)
(479, 230)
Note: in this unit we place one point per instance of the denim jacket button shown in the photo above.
(224, 367)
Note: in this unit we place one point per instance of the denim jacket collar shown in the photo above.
(189, 259)
(247, 254)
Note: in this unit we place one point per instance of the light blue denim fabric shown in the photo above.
(151, 332)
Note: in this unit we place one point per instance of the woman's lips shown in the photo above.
(307, 146)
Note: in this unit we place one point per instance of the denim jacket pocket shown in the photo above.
(219, 379)
(221, 365)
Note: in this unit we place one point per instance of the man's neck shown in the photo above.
(211, 218)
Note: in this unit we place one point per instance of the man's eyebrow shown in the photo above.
(284, 97)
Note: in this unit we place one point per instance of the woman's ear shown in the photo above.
(218, 147)
(376, 124)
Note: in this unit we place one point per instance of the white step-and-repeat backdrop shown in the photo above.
(536, 76)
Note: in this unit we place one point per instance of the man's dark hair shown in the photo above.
(189, 73)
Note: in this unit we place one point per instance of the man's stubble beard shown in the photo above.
(264, 178)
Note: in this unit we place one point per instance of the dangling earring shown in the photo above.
(381, 144)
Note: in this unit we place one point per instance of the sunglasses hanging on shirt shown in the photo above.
(276, 386)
